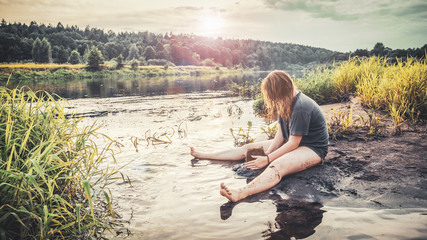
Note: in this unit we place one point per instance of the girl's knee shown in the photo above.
(284, 165)
(276, 171)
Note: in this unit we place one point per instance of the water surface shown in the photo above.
(175, 197)
(131, 86)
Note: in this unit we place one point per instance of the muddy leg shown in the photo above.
(230, 155)
(298, 160)
(266, 180)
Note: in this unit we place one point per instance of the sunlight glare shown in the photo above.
(211, 25)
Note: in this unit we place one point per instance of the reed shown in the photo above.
(400, 89)
(319, 85)
(50, 171)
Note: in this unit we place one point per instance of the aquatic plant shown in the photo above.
(270, 131)
(234, 111)
(245, 89)
(242, 136)
(163, 136)
(52, 183)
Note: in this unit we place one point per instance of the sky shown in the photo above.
(339, 25)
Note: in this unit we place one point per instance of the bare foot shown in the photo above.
(197, 155)
(232, 195)
(194, 153)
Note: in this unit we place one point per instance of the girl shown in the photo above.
(300, 143)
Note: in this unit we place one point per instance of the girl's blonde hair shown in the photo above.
(278, 90)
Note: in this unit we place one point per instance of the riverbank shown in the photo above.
(32, 71)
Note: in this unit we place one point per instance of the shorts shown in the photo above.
(321, 151)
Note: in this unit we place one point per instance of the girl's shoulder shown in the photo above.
(303, 103)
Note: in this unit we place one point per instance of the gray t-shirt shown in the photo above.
(307, 120)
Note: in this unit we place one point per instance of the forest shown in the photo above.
(42, 43)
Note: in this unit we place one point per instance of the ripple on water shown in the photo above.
(175, 198)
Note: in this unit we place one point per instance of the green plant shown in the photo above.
(318, 84)
(374, 124)
(245, 89)
(242, 136)
(258, 105)
(342, 123)
(270, 131)
(51, 180)
(95, 59)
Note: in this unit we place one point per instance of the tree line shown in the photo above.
(69, 44)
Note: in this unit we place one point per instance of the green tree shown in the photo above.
(378, 50)
(95, 59)
(46, 51)
(134, 64)
(60, 54)
(74, 57)
(361, 52)
(149, 53)
(41, 51)
(119, 61)
(133, 52)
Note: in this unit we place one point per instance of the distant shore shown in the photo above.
(34, 71)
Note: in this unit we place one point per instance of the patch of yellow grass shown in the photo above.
(397, 88)
(37, 67)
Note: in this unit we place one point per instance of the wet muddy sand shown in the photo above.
(374, 189)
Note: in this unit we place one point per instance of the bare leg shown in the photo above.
(298, 160)
(231, 155)
(266, 180)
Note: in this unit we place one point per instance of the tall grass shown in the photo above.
(319, 85)
(51, 182)
(400, 89)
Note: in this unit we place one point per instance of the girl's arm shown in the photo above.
(290, 145)
(277, 141)
(262, 161)
(277, 149)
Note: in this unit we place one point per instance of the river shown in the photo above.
(175, 197)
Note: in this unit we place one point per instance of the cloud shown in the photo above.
(32, 3)
(188, 8)
(317, 9)
(348, 10)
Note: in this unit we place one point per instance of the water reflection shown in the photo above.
(295, 219)
(117, 87)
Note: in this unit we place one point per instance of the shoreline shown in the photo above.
(32, 71)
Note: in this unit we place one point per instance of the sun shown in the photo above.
(211, 24)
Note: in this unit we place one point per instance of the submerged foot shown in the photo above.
(231, 194)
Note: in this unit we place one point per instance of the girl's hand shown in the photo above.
(258, 163)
